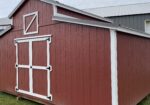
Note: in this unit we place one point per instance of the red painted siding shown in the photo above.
(45, 18)
(76, 15)
(80, 58)
(80, 61)
(23, 79)
(40, 82)
(23, 55)
(133, 68)
(81, 65)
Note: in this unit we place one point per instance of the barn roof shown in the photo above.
(5, 21)
(121, 10)
(5, 25)
(101, 25)
(3, 31)
(56, 3)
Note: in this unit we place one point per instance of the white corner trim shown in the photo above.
(54, 10)
(114, 72)
(12, 21)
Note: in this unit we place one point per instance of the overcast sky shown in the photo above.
(6, 6)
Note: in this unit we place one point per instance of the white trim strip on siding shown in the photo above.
(114, 72)
(33, 94)
(30, 69)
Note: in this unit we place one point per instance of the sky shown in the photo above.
(6, 6)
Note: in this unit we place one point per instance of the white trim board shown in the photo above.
(114, 71)
(33, 94)
(34, 38)
(31, 67)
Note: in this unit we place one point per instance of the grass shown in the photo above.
(6, 99)
(145, 101)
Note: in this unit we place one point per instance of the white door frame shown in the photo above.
(48, 68)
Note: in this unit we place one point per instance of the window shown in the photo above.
(30, 23)
(147, 26)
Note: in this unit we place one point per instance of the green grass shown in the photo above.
(145, 101)
(6, 99)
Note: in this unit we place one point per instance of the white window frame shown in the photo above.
(35, 18)
(32, 67)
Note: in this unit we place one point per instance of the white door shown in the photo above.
(33, 66)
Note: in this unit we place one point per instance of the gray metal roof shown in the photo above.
(5, 21)
(3, 31)
(121, 10)
(63, 6)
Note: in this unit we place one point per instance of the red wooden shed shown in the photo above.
(60, 55)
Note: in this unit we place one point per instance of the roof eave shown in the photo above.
(102, 25)
(77, 10)
(63, 6)
(5, 30)
(17, 7)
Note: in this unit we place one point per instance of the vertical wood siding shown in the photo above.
(45, 13)
(23, 55)
(23, 79)
(74, 14)
(81, 65)
(40, 82)
(80, 58)
(133, 68)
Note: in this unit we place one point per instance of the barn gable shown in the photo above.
(22, 15)
(65, 9)
(58, 12)
(41, 13)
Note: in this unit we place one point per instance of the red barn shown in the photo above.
(60, 55)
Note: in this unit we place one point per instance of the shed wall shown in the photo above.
(80, 58)
(133, 68)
